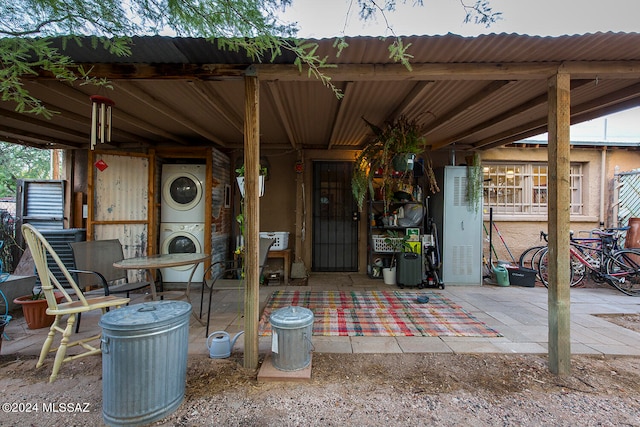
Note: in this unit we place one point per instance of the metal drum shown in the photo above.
(292, 328)
(144, 361)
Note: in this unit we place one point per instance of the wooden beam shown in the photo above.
(468, 102)
(283, 114)
(580, 113)
(416, 93)
(165, 110)
(252, 220)
(525, 106)
(367, 72)
(33, 139)
(458, 71)
(577, 117)
(341, 114)
(216, 101)
(47, 125)
(559, 224)
(80, 98)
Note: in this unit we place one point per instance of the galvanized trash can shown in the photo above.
(144, 361)
(291, 328)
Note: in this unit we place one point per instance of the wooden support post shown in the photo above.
(252, 220)
(300, 210)
(559, 220)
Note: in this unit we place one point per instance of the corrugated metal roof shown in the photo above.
(478, 92)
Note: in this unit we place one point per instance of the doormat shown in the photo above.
(379, 314)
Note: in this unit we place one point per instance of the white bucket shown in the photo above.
(389, 276)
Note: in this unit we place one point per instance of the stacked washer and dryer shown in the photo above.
(182, 217)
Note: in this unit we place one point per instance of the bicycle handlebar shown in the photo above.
(607, 232)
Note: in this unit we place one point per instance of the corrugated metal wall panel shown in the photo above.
(43, 204)
(133, 238)
(122, 189)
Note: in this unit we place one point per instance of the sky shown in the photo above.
(330, 18)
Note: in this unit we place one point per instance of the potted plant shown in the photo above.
(389, 158)
(240, 179)
(34, 308)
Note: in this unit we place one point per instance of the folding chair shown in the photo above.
(220, 268)
(40, 248)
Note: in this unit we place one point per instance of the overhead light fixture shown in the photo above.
(100, 119)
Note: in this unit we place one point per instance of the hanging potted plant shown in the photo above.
(261, 178)
(406, 143)
(475, 176)
(389, 158)
(34, 308)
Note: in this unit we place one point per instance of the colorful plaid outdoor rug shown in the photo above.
(379, 313)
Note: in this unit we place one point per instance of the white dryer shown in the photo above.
(183, 198)
(182, 238)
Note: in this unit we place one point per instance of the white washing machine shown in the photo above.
(183, 197)
(182, 238)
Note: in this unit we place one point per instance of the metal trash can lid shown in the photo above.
(291, 317)
(144, 315)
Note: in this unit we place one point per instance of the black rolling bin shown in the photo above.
(409, 269)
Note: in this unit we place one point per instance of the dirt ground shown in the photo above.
(362, 389)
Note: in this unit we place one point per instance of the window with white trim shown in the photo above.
(522, 188)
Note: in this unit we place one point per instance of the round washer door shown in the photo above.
(181, 243)
(182, 191)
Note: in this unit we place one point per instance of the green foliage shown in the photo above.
(250, 25)
(475, 178)
(240, 171)
(396, 137)
(17, 161)
(398, 242)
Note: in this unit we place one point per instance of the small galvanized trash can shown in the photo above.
(292, 328)
(144, 361)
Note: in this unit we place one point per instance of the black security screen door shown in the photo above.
(335, 218)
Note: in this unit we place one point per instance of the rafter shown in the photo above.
(469, 102)
(341, 114)
(525, 106)
(579, 114)
(170, 113)
(215, 100)
(68, 93)
(282, 113)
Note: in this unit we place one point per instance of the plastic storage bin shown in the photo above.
(520, 276)
(281, 237)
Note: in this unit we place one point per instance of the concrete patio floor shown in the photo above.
(519, 314)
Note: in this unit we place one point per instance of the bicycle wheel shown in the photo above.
(575, 276)
(535, 259)
(526, 257)
(623, 269)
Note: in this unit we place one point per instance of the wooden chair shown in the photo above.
(71, 307)
(94, 267)
(220, 269)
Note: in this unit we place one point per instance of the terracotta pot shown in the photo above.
(633, 234)
(34, 311)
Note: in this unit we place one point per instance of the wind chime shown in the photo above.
(100, 119)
